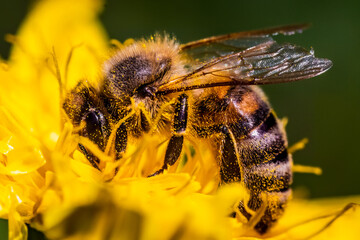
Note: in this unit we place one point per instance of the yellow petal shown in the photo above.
(60, 40)
(62, 25)
(322, 219)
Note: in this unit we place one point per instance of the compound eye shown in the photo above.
(145, 91)
(96, 128)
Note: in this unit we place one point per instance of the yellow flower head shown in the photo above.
(47, 183)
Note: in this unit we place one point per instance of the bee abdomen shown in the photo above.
(260, 147)
(272, 176)
(267, 172)
(264, 158)
(274, 204)
(263, 143)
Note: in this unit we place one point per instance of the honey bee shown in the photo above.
(205, 91)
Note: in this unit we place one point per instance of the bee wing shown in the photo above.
(217, 46)
(265, 63)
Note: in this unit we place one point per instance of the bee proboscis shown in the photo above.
(211, 85)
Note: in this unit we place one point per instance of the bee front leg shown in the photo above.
(97, 130)
(175, 145)
(121, 141)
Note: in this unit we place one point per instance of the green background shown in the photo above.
(325, 109)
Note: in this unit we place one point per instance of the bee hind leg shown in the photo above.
(228, 159)
(229, 165)
(175, 145)
(230, 172)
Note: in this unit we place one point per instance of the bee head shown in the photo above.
(136, 70)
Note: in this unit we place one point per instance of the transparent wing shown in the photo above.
(266, 63)
(217, 46)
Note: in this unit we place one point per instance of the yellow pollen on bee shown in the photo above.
(221, 91)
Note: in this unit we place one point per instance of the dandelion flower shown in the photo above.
(46, 183)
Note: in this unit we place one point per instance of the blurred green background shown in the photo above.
(325, 109)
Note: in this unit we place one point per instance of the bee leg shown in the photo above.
(94, 161)
(120, 141)
(120, 144)
(97, 130)
(229, 163)
(230, 168)
(230, 172)
(172, 154)
(175, 145)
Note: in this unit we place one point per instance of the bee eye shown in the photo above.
(96, 128)
(145, 91)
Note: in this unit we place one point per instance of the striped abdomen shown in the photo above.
(252, 148)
